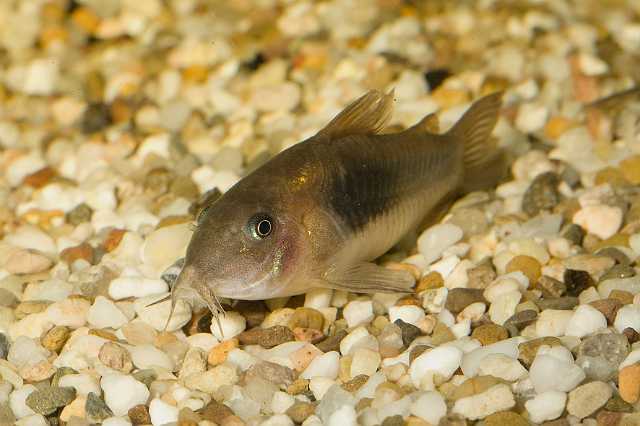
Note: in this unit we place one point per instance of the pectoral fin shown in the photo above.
(370, 278)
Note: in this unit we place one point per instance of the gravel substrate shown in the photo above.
(119, 118)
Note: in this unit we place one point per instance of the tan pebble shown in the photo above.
(300, 411)
(83, 251)
(408, 300)
(527, 265)
(218, 354)
(55, 338)
(630, 168)
(216, 412)
(629, 383)
(363, 403)
(430, 281)
(355, 383)
(344, 373)
(528, 350)
(623, 296)
(37, 372)
(441, 334)
(164, 338)
(298, 386)
(611, 176)
(474, 386)
(608, 418)
(23, 261)
(618, 239)
(481, 276)
(306, 318)
(104, 334)
(232, 421)
(75, 409)
(556, 126)
(398, 266)
(416, 421)
(447, 98)
(116, 357)
(488, 334)
(27, 308)
(505, 418)
(139, 333)
(301, 358)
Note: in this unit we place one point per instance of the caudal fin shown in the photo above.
(484, 162)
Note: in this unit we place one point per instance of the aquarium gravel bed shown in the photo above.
(119, 119)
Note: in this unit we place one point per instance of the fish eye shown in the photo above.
(260, 226)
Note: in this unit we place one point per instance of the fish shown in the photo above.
(320, 213)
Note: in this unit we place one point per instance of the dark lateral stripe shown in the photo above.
(362, 191)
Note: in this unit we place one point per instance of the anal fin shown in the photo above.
(368, 277)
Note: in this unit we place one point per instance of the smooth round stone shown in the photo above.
(122, 392)
(496, 398)
(430, 407)
(435, 240)
(163, 246)
(600, 220)
(162, 413)
(157, 315)
(132, 286)
(17, 401)
(588, 398)
(586, 320)
(600, 355)
(148, 356)
(325, 365)
(627, 317)
(358, 312)
(232, 324)
(105, 314)
(546, 406)
(443, 360)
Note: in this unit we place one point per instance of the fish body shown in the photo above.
(321, 211)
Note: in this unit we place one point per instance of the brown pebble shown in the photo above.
(116, 357)
(355, 383)
(505, 418)
(577, 281)
(216, 412)
(332, 343)
(460, 298)
(488, 334)
(363, 403)
(631, 334)
(254, 311)
(474, 386)
(608, 418)
(55, 338)
(481, 276)
(629, 383)
(624, 297)
(83, 251)
(266, 337)
(300, 411)
(441, 334)
(429, 281)
(527, 265)
(608, 307)
(139, 415)
(630, 168)
(551, 287)
(113, 239)
(39, 178)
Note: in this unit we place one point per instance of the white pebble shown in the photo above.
(365, 361)
(31, 237)
(116, 421)
(502, 366)
(553, 322)
(82, 383)
(531, 117)
(548, 372)
(162, 413)
(121, 392)
(546, 406)
(32, 420)
(445, 266)
(69, 312)
(105, 314)
(128, 286)
(443, 360)
(281, 402)
(408, 313)
(319, 385)
(436, 239)
(592, 65)
(232, 324)
(585, 320)
(634, 243)
(318, 298)
(325, 365)
(278, 420)
(504, 306)
(496, 398)
(17, 401)
(627, 316)
(601, 220)
(358, 338)
(163, 246)
(472, 359)
(158, 315)
(358, 312)
(148, 356)
(430, 407)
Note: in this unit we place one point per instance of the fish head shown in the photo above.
(247, 245)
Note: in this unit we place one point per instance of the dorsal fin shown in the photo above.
(428, 124)
(366, 115)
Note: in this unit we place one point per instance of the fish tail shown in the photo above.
(484, 162)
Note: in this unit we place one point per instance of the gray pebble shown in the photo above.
(46, 401)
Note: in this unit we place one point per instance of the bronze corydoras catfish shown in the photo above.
(321, 211)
